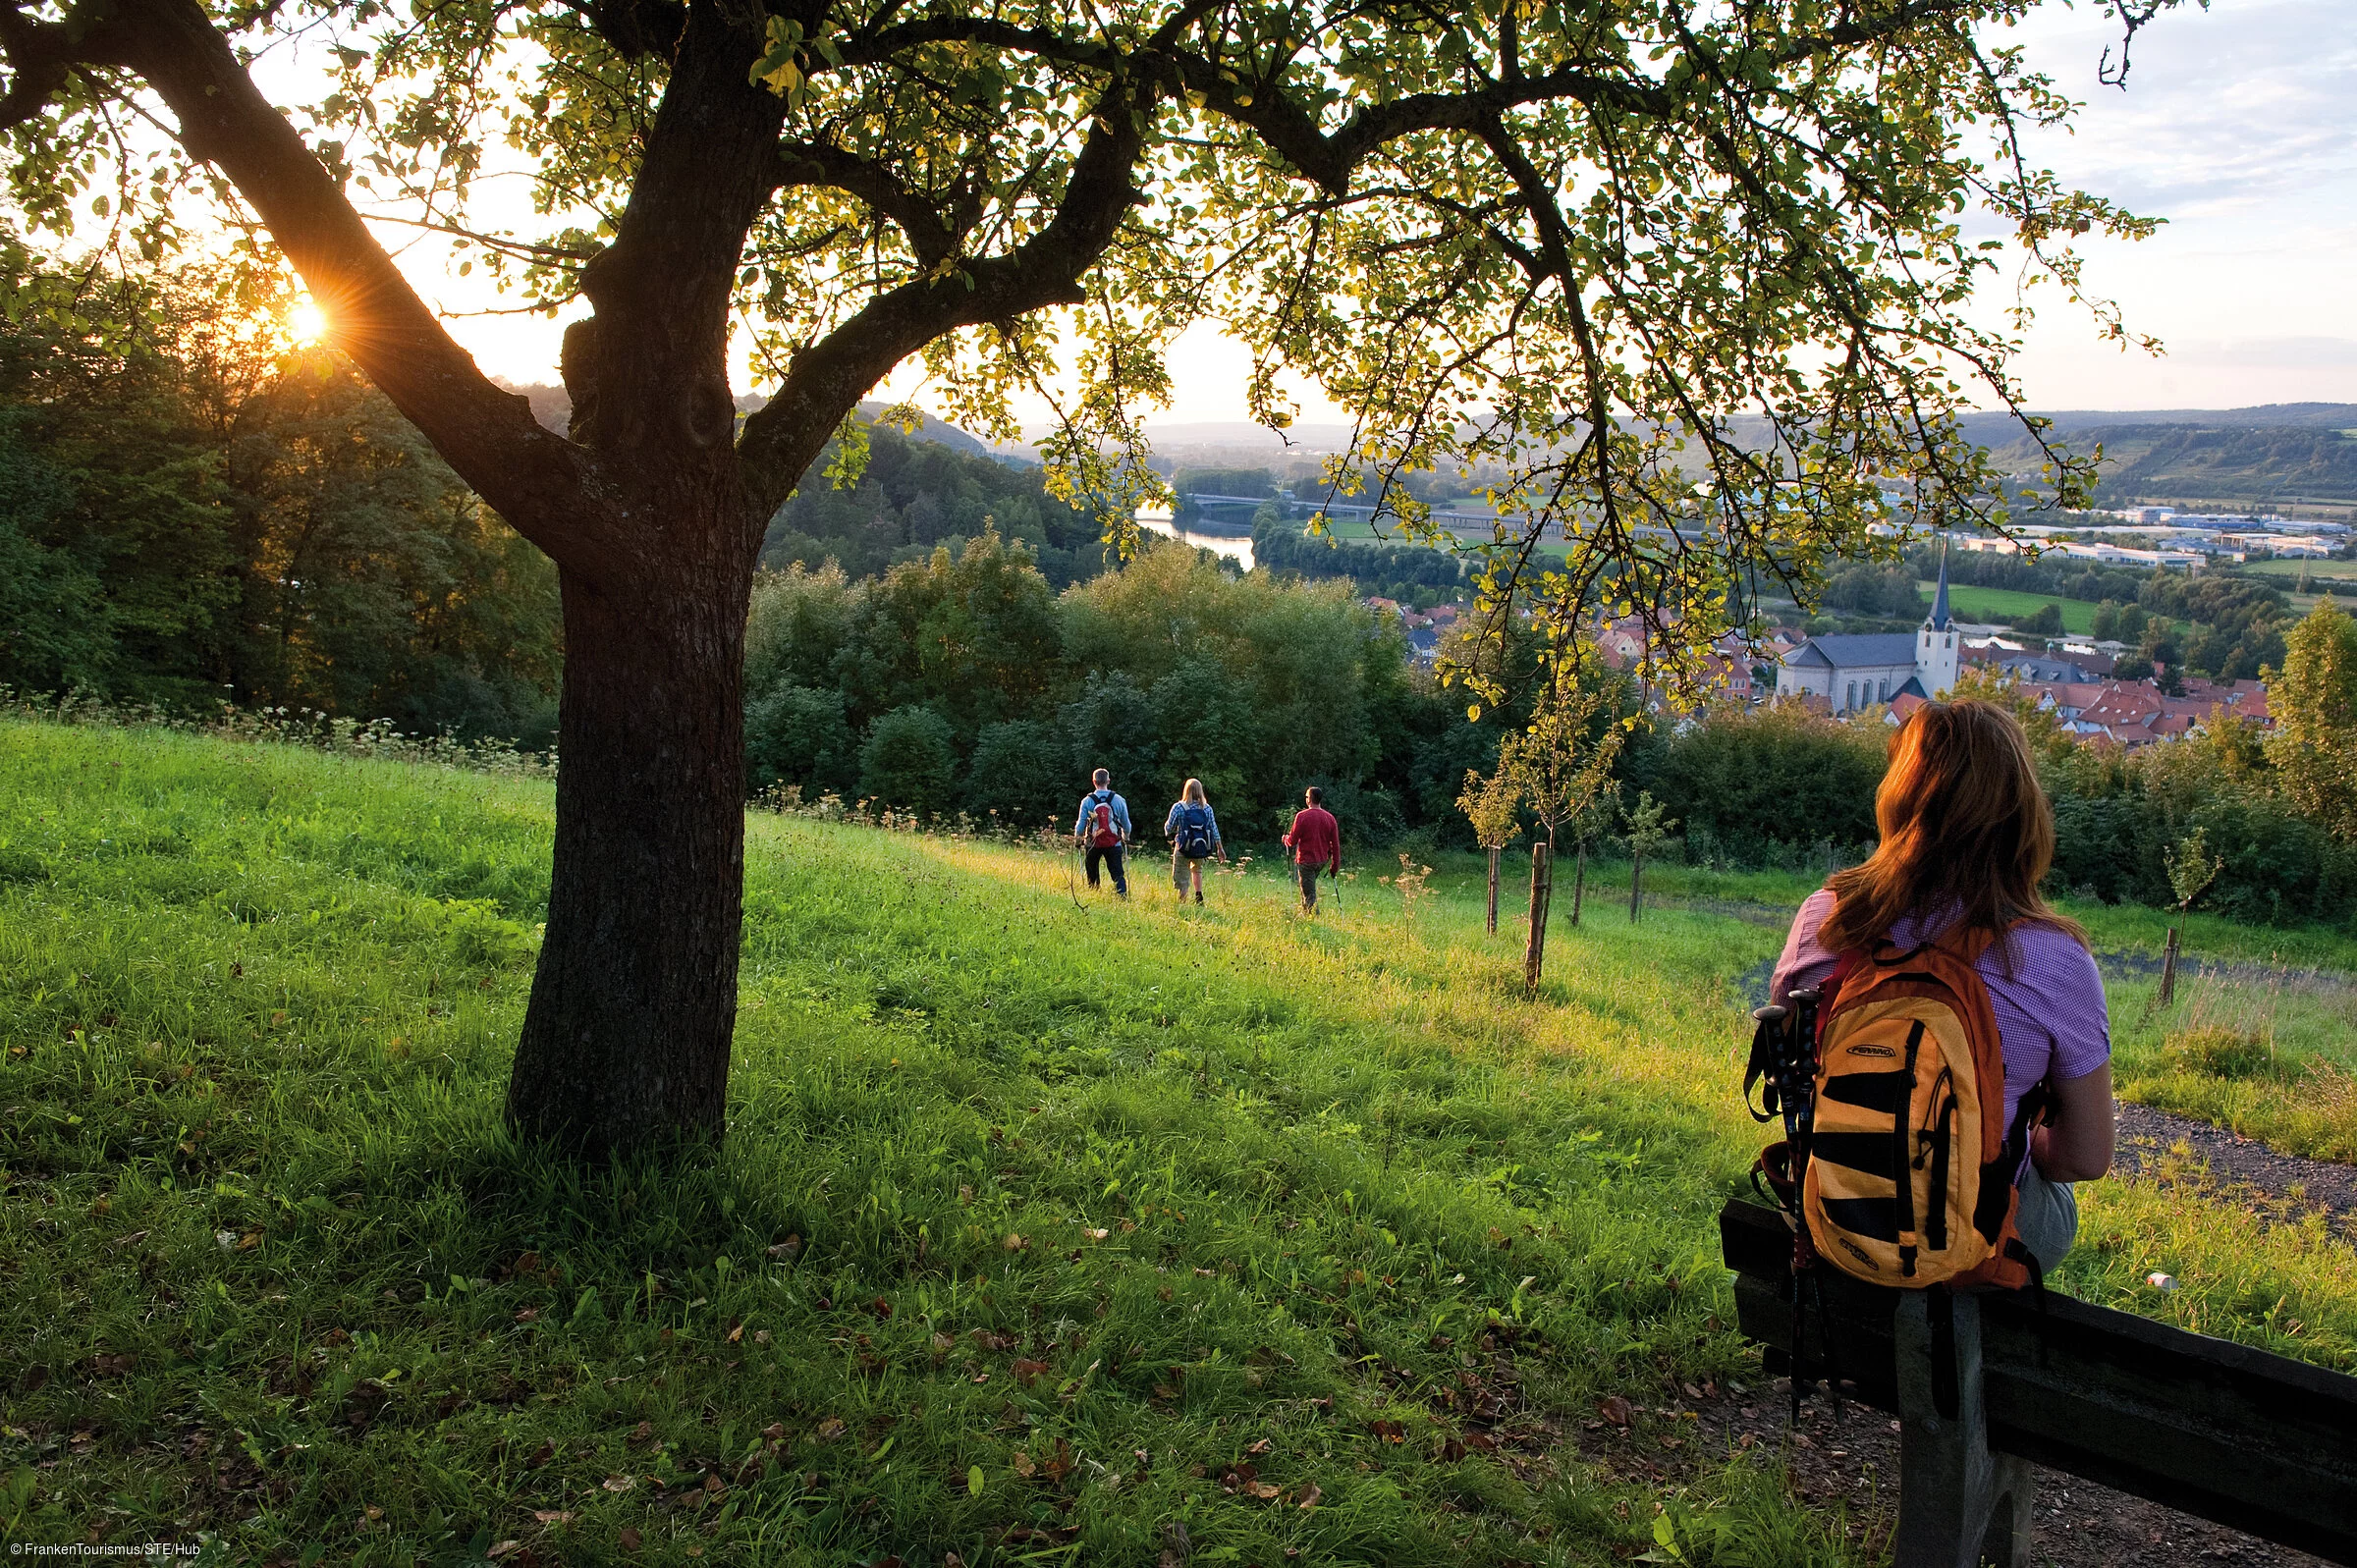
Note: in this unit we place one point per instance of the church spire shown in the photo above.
(1938, 619)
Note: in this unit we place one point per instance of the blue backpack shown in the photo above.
(1194, 831)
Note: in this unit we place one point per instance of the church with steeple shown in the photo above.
(1861, 670)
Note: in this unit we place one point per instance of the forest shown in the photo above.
(191, 512)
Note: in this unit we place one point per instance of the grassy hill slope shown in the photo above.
(1038, 1231)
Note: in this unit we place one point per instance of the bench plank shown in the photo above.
(2251, 1441)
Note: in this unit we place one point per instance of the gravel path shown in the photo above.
(2147, 1137)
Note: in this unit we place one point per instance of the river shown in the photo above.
(1234, 547)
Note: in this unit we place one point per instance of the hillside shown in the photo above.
(2274, 454)
(1038, 1226)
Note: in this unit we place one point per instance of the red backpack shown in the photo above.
(1102, 832)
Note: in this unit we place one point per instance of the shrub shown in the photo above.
(908, 762)
(797, 735)
(1022, 770)
(1758, 786)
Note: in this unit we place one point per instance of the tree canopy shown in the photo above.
(1685, 279)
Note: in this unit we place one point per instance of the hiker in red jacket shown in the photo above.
(1317, 845)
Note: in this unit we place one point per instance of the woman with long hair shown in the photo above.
(1967, 836)
(1194, 834)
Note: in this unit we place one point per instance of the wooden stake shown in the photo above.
(1494, 854)
(2168, 969)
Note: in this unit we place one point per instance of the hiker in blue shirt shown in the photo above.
(1103, 828)
(1194, 835)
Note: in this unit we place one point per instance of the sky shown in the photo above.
(2238, 126)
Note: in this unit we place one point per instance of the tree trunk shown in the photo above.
(1495, 851)
(1542, 890)
(1579, 883)
(2168, 969)
(627, 1033)
(1636, 884)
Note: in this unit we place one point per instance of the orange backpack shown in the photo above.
(1907, 1176)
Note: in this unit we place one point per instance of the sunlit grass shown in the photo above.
(1012, 1192)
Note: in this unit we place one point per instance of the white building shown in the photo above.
(1854, 672)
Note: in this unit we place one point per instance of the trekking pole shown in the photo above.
(1071, 878)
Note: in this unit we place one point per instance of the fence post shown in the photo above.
(1542, 891)
(1958, 1503)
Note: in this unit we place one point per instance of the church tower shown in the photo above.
(1936, 641)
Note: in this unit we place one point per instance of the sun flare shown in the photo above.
(307, 321)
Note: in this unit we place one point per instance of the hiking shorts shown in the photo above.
(2047, 1218)
(1180, 862)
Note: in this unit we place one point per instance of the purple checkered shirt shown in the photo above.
(2052, 1021)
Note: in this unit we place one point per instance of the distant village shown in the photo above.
(1886, 676)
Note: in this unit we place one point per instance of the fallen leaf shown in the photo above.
(774, 1431)
(943, 1344)
(1614, 1409)
(1260, 1447)
(541, 1455)
(831, 1428)
(1016, 1243)
(629, 1538)
(760, 1336)
(1309, 1497)
(641, 1435)
(502, 1548)
(110, 1365)
(1027, 1373)
(880, 1307)
(1023, 1465)
(737, 1335)
(528, 1315)
(1263, 1490)
(620, 1482)
(1095, 1233)
(552, 1516)
(787, 1250)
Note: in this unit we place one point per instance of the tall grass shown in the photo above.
(1040, 1233)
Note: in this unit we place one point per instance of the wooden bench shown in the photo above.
(1985, 1385)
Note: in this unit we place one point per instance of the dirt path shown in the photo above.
(2242, 1166)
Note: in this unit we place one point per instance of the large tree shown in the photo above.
(1686, 279)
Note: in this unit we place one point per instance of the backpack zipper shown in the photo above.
(1936, 1228)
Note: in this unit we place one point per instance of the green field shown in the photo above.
(2340, 571)
(1038, 1229)
(2006, 606)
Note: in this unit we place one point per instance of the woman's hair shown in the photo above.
(1964, 826)
(1194, 792)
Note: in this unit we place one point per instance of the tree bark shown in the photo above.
(1542, 891)
(1636, 884)
(634, 1002)
(1495, 852)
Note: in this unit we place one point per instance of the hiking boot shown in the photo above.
(1198, 898)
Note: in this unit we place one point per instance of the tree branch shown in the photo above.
(825, 381)
(821, 163)
(535, 480)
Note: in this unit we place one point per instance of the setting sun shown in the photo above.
(307, 321)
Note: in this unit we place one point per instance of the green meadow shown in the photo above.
(2006, 606)
(1046, 1228)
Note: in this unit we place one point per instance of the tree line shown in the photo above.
(193, 512)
